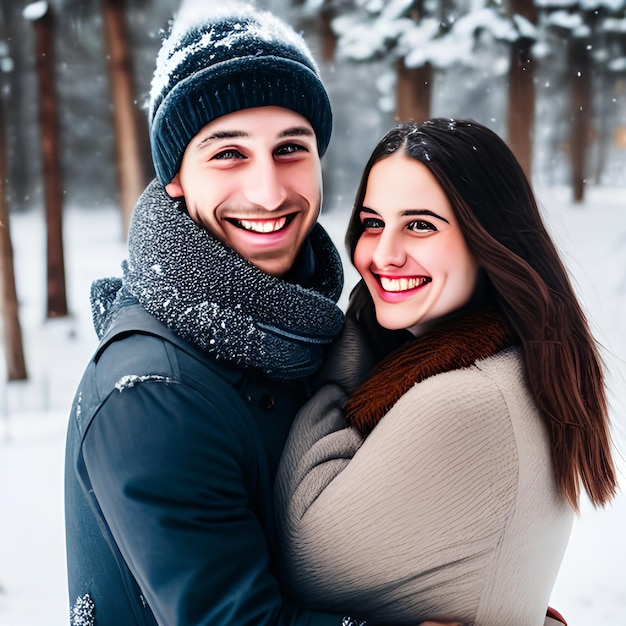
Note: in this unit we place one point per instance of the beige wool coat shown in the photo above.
(447, 510)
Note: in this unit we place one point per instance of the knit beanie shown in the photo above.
(221, 60)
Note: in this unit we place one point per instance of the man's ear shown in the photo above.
(174, 189)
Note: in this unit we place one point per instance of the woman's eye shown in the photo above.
(231, 153)
(420, 226)
(372, 222)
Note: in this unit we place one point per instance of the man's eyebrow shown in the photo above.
(410, 213)
(220, 134)
(296, 131)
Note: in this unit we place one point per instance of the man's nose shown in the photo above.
(264, 185)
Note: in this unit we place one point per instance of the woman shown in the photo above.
(451, 494)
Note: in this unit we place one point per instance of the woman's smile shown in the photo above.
(402, 283)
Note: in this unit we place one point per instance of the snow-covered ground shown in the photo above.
(591, 588)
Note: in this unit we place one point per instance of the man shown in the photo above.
(226, 301)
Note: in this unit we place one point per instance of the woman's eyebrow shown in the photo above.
(366, 209)
(411, 213)
(414, 212)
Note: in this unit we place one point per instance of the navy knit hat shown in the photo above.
(222, 61)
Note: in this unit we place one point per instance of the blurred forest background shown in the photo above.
(549, 69)
(547, 75)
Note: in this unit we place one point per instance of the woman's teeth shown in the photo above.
(403, 284)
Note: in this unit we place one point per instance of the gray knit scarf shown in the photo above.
(214, 299)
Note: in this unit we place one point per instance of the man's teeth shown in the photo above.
(263, 226)
(403, 284)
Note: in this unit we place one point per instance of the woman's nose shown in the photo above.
(389, 251)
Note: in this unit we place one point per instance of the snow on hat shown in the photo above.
(219, 61)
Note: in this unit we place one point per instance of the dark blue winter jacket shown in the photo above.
(171, 454)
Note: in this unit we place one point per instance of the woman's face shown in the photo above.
(412, 253)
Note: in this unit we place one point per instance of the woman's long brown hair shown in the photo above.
(502, 225)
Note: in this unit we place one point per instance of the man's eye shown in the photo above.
(289, 148)
(231, 153)
(420, 226)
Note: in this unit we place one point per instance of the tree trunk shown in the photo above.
(53, 194)
(129, 162)
(17, 122)
(521, 96)
(580, 68)
(16, 364)
(414, 87)
(521, 105)
(327, 36)
(414, 91)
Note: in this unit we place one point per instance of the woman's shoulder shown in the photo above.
(491, 375)
(507, 362)
(484, 401)
(496, 375)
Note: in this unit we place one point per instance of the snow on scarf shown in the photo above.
(211, 297)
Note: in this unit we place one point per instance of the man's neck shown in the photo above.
(303, 268)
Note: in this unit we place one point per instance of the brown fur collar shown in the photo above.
(455, 345)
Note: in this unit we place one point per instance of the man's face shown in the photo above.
(253, 179)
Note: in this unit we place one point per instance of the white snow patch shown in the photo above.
(126, 382)
(35, 11)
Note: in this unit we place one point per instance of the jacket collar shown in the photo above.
(455, 344)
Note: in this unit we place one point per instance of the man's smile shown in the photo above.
(262, 226)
